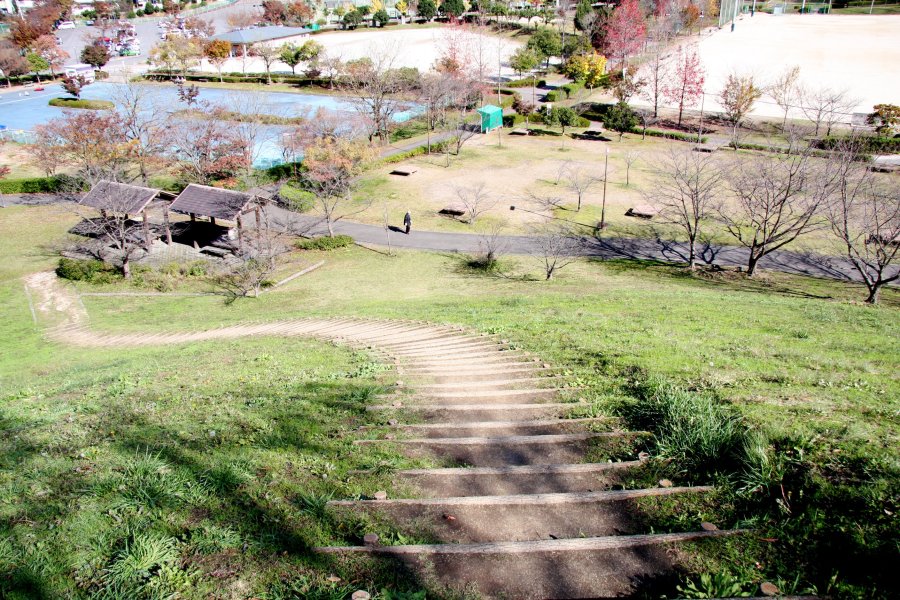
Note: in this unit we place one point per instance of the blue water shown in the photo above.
(23, 112)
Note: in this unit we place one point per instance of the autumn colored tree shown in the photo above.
(12, 63)
(207, 150)
(684, 87)
(885, 118)
(589, 68)
(25, 32)
(332, 168)
(91, 142)
(95, 55)
(55, 56)
(74, 85)
(300, 12)
(737, 99)
(275, 11)
(625, 30)
(217, 52)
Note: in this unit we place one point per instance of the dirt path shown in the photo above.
(514, 510)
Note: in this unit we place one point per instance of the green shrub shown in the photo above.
(297, 199)
(873, 144)
(85, 104)
(582, 122)
(572, 88)
(513, 120)
(554, 96)
(38, 185)
(325, 243)
(670, 135)
(92, 271)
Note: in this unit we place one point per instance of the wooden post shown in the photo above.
(146, 226)
(212, 220)
(240, 230)
(193, 217)
(166, 221)
(258, 225)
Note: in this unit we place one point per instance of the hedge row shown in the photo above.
(527, 82)
(325, 243)
(300, 80)
(670, 135)
(39, 185)
(436, 147)
(876, 145)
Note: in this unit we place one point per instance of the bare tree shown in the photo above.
(785, 91)
(657, 74)
(475, 199)
(544, 202)
(254, 263)
(556, 246)
(776, 200)
(630, 157)
(864, 213)
(143, 120)
(825, 106)
(685, 190)
(373, 84)
(242, 19)
(269, 55)
(491, 245)
(250, 129)
(562, 169)
(737, 99)
(580, 181)
(647, 119)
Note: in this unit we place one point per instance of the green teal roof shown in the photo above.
(490, 109)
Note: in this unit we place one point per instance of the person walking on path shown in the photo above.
(407, 222)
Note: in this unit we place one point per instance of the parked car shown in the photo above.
(66, 25)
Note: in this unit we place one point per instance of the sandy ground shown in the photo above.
(860, 53)
(418, 48)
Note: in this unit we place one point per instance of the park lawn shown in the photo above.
(800, 358)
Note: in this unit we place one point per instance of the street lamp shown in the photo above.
(603, 206)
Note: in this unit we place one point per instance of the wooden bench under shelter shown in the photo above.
(403, 171)
(215, 203)
(126, 199)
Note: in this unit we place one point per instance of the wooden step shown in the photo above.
(524, 479)
(503, 428)
(593, 567)
(468, 413)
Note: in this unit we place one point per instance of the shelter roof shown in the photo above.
(206, 201)
(260, 34)
(490, 109)
(119, 197)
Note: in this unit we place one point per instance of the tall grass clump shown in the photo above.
(703, 435)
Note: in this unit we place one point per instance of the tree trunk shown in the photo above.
(751, 264)
(692, 253)
(874, 291)
(126, 268)
(330, 227)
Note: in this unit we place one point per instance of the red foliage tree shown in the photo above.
(685, 84)
(625, 30)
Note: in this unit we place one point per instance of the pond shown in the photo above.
(23, 110)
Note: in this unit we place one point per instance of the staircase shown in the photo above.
(515, 511)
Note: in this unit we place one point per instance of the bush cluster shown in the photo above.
(325, 243)
(875, 145)
(87, 104)
(555, 95)
(91, 271)
(670, 135)
(572, 88)
(516, 83)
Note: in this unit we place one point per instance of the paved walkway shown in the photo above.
(602, 248)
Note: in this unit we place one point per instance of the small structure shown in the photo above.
(403, 171)
(80, 69)
(274, 36)
(491, 117)
(642, 211)
(215, 203)
(125, 199)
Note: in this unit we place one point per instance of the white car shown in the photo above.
(66, 25)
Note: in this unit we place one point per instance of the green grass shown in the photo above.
(792, 382)
(85, 104)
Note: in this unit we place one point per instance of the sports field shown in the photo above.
(858, 52)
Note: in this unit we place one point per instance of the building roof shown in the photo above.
(206, 201)
(119, 197)
(260, 34)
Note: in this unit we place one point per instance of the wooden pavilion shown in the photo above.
(129, 200)
(215, 203)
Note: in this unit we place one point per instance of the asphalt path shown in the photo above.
(599, 247)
